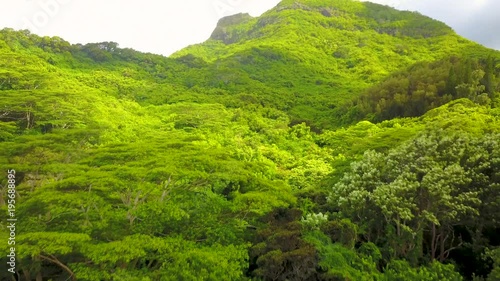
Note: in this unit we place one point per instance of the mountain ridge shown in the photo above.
(338, 56)
(319, 64)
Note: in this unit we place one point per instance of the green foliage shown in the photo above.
(371, 250)
(400, 270)
(280, 253)
(216, 163)
(495, 256)
(427, 85)
(422, 199)
(167, 259)
(344, 232)
(318, 55)
(340, 263)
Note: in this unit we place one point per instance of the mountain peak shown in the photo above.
(220, 32)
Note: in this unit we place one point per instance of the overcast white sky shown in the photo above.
(162, 27)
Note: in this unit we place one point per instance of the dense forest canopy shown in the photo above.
(323, 140)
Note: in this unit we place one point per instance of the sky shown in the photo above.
(163, 27)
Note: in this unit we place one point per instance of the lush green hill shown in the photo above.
(316, 55)
(227, 161)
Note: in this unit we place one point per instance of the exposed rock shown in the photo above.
(221, 32)
(326, 13)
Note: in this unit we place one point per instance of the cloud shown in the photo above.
(483, 24)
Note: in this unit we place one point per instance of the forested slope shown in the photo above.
(324, 140)
(317, 55)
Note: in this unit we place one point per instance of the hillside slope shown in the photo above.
(308, 57)
(226, 161)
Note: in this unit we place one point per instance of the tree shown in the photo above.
(279, 252)
(49, 247)
(451, 82)
(474, 90)
(420, 191)
(489, 75)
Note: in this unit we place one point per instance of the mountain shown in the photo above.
(320, 54)
(323, 140)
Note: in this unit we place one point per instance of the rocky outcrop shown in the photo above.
(223, 33)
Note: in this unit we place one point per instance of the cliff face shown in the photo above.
(221, 31)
